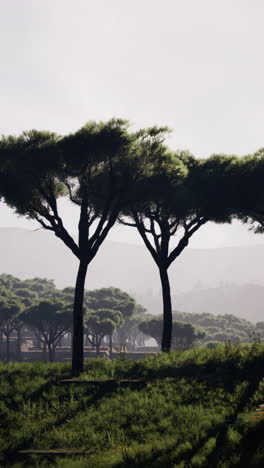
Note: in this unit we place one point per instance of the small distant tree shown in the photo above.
(100, 323)
(110, 298)
(183, 334)
(10, 319)
(113, 299)
(260, 329)
(129, 333)
(27, 292)
(50, 319)
(26, 295)
(43, 287)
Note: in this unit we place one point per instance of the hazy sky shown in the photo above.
(195, 65)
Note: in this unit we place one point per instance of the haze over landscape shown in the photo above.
(220, 280)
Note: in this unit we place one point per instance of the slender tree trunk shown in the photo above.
(1, 346)
(19, 330)
(121, 337)
(37, 342)
(7, 348)
(44, 352)
(111, 346)
(51, 352)
(167, 310)
(97, 346)
(77, 337)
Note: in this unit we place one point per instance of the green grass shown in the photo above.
(187, 409)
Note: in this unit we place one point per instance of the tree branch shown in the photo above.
(125, 223)
(141, 229)
(183, 242)
(58, 229)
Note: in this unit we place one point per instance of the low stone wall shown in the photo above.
(65, 355)
(135, 355)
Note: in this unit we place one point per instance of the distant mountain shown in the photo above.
(245, 301)
(26, 254)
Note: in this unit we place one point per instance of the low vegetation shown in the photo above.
(184, 409)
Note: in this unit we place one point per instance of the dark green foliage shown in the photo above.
(216, 183)
(251, 193)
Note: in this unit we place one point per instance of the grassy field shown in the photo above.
(188, 409)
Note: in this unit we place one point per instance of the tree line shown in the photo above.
(204, 328)
(113, 174)
(38, 309)
(35, 310)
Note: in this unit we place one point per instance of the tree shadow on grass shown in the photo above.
(226, 374)
(97, 392)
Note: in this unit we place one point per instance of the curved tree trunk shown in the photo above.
(44, 352)
(51, 352)
(70, 341)
(111, 346)
(97, 345)
(7, 348)
(19, 333)
(1, 346)
(77, 336)
(167, 310)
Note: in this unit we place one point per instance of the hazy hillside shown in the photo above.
(28, 253)
(246, 300)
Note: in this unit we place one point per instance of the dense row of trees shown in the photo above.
(113, 174)
(37, 306)
(222, 328)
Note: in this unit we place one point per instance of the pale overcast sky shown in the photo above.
(195, 65)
